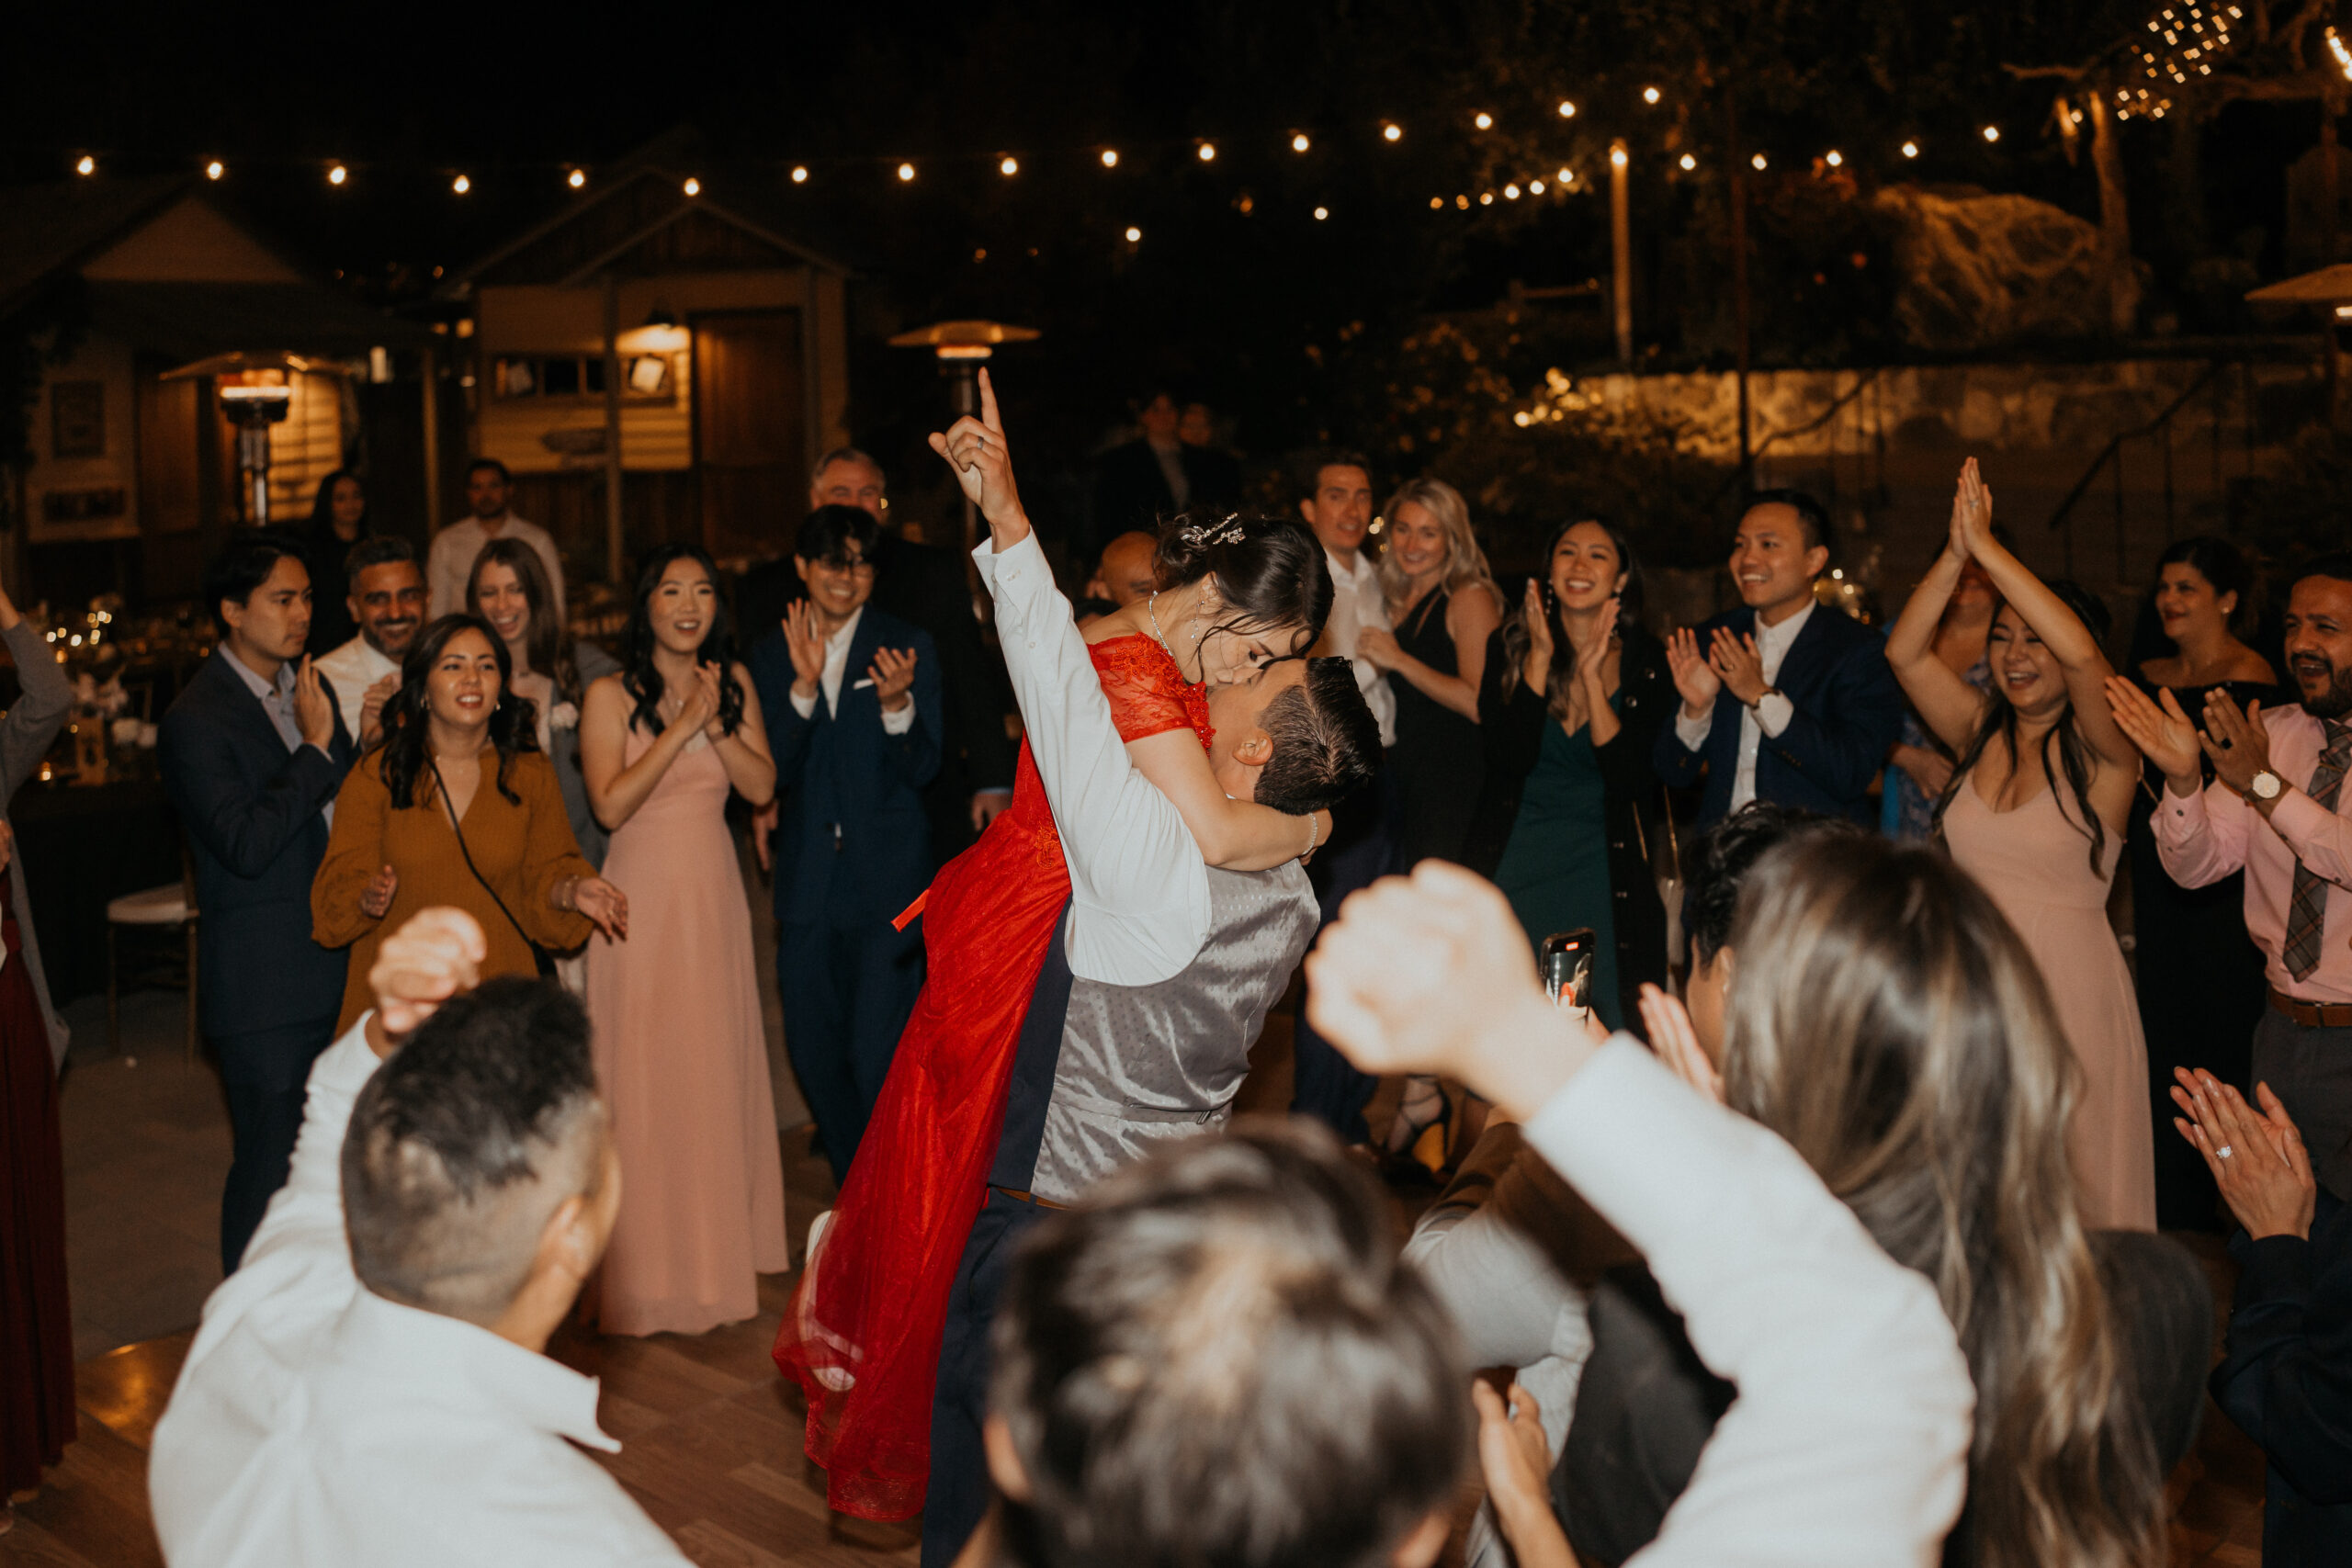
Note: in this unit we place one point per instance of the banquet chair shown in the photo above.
(170, 906)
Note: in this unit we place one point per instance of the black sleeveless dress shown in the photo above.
(2198, 932)
(1437, 762)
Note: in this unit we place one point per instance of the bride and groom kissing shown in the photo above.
(1100, 965)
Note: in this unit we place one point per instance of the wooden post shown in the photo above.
(429, 367)
(1739, 272)
(1621, 249)
(614, 546)
(2114, 219)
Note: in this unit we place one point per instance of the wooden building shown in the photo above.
(129, 479)
(655, 365)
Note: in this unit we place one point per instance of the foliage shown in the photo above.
(1477, 402)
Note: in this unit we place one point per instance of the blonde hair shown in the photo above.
(1903, 1041)
(1465, 563)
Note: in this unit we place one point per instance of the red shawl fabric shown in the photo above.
(862, 1335)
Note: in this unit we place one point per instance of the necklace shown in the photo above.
(1151, 608)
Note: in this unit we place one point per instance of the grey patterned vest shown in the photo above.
(1140, 1064)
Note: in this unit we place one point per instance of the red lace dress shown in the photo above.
(862, 1335)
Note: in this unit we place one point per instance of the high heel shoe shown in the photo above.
(1401, 1164)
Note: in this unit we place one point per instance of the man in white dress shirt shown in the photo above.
(1158, 982)
(1335, 497)
(370, 1389)
(387, 599)
(451, 560)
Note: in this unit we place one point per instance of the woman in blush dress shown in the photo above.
(509, 589)
(680, 1048)
(2035, 812)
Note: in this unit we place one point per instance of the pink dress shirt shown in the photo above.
(2203, 838)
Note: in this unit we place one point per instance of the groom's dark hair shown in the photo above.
(1327, 744)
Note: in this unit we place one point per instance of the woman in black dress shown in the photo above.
(338, 521)
(1445, 606)
(36, 1325)
(2201, 598)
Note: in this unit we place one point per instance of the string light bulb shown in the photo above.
(1910, 149)
(1567, 176)
(1992, 134)
(215, 169)
(1485, 121)
(85, 164)
(1687, 162)
(1535, 187)
(1486, 198)
(906, 173)
(1299, 143)
(1392, 131)
(1649, 95)
(1133, 233)
(1617, 157)
(799, 174)
(693, 185)
(461, 185)
(577, 180)
(1009, 166)
(1109, 157)
(1437, 203)
(1835, 159)
(1567, 110)
(1757, 162)
(337, 174)
(1208, 152)
(1510, 193)
(1321, 213)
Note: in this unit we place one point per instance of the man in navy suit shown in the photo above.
(1782, 700)
(253, 752)
(852, 698)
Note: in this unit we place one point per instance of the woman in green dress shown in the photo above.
(1573, 693)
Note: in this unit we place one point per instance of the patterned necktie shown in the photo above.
(2307, 911)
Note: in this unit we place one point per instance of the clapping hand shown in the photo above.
(806, 645)
(1738, 665)
(376, 899)
(2235, 740)
(1676, 1043)
(2257, 1160)
(1592, 645)
(1971, 514)
(371, 709)
(1378, 647)
(707, 700)
(893, 673)
(1537, 618)
(1432, 973)
(2164, 735)
(1694, 679)
(436, 955)
(976, 450)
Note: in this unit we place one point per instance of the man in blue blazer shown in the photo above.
(1783, 700)
(851, 699)
(253, 752)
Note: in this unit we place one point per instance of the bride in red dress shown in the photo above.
(862, 1336)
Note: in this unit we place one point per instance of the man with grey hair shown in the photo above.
(370, 1388)
(924, 584)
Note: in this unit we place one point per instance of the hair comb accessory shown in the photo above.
(1201, 535)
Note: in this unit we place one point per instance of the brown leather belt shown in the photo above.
(2312, 1015)
(1018, 1196)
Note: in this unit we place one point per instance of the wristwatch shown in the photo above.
(2265, 785)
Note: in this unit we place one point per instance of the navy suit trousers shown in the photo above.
(264, 1075)
(847, 987)
(1325, 1085)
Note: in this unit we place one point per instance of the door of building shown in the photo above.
(751, 444)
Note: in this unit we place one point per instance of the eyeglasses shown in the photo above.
(855, 567)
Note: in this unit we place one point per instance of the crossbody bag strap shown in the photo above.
(450, 807)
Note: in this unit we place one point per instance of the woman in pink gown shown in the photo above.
(681, 1049)
(2035, 812)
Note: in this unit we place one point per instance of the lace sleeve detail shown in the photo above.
(1147, 696)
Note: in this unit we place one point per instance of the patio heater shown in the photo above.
(2331, 289)
(960, 347)
(255, 391)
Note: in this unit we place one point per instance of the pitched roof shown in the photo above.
(188, 321)
(49, 229)
(639, 223)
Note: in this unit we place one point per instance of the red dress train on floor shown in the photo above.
(862, 1335)
(36, 1328)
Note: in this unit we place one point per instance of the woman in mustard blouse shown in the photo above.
(458, 748)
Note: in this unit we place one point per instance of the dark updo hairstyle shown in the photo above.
(406, 746)
(1516, 633)
(643, 682)
(1271, 572)
(2222, 564)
